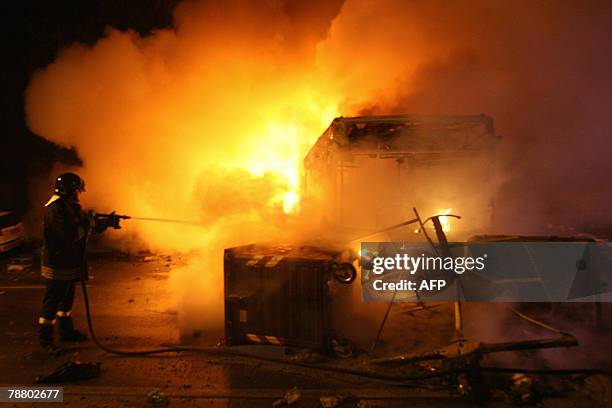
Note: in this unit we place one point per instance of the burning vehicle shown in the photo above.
(367, 172)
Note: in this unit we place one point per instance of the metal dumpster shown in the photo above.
(280, 294)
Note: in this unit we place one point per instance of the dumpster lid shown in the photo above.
(293, 251)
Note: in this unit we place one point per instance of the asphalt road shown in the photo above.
(131, 310)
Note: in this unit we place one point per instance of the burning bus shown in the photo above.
(368, 172)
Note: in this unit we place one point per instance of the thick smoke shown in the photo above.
(209, 121)
(541, 70)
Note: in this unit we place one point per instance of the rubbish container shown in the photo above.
(281, 294)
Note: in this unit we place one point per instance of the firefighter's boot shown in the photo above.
(45, 332)
(67, 332)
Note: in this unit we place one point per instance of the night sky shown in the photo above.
(47, 27)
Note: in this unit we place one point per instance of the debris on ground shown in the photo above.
(291, 397)
(157, 398)
(522, 390)
(307, 357)
(329, 401)
(15, 268)
(18, 265)
(333, 401)
(71, 371)
(429, 366)
(21, 260)
(149, 258)
(343, 348)
(19, 268)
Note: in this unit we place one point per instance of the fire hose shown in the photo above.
(408, 380)
(341, 370)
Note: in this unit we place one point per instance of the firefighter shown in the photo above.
(65, 230)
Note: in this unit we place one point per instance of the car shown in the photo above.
(12, 233)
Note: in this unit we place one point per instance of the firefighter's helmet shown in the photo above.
(68, 184)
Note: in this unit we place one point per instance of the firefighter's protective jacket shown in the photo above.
(65, 231)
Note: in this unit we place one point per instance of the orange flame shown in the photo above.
(444, 221)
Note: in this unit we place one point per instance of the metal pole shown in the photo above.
(382, 324)
(457, 306)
